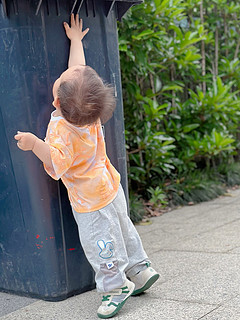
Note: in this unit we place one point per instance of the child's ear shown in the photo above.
(56, 103)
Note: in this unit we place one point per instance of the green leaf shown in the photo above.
(161, 6)
(172, 88)
(177, 30)
(190, 127)
(143, 34)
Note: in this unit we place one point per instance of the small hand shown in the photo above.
(26, 140)
(75, 31)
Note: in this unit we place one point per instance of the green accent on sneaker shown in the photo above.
(147, 285)
(112, 304)
(126, 291)
(119, 307)
(106, 298)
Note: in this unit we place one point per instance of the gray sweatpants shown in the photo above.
(111, 244)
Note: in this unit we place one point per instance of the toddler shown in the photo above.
(74, 151)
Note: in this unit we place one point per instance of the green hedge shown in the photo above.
(180, 74)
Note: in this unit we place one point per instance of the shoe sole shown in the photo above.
(147, 285)
(119, 307)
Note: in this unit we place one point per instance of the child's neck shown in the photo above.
(57, 113)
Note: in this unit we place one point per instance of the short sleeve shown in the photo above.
(61, 154)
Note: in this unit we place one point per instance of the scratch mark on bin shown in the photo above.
(74, 5)
(79, 8)
(38, 7)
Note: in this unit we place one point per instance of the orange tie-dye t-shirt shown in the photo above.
(79, 158)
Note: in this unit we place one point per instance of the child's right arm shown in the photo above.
(29, 142)
(75, 35)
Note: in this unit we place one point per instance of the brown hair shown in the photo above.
(85, 98)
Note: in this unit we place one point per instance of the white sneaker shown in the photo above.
(144, 280)
(113, 301)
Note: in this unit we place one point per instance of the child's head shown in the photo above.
(82, 96)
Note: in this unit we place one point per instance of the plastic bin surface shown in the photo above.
(40, 253)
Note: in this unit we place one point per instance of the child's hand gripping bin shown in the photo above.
(74, 151)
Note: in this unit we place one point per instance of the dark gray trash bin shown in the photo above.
(40, 253)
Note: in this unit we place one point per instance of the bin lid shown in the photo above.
(121, 6)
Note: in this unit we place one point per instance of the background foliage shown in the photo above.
(180, 74)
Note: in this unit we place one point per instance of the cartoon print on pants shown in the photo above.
(106, 249)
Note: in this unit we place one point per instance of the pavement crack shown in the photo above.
(218, 227)
(209, 312)
(193, 302)
(196, 251)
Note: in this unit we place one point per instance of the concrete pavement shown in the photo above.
(196, 250)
